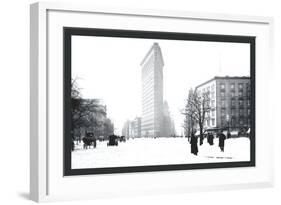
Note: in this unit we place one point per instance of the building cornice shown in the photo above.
(222, 78)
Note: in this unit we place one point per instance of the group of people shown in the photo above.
(210, 139)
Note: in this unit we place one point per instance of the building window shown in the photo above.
(213, 95)
(240, 86)
(232, 111)
(232, 86)
(240, 93)
(213, 113)
(248, 102)
(233, 103)
(249, 111)
(241, 121)
(222, 94)
(248, 86)
(223, 112)
(232, 94)
(223, 103)
(241, 111)
(240, 102)
(213, 122)
(232, 121)
(208, 104)
(222, 86)
(212, 87)
(213, 103)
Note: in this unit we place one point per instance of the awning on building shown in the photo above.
(225, 132)
(197, 133)
(233, 133)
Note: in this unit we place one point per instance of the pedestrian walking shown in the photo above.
(210, 138)
(194, 146)
(222, 138)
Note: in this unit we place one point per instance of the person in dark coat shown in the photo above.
(194, 146)
(210, 139)
(222, 138)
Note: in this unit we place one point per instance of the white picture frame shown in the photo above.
(47, 182)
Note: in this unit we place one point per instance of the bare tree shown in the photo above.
(85, 112)
(108, 127)
(197, 109)
(189, 112)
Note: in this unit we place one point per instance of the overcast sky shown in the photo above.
(109, 69)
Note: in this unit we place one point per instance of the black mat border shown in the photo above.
(70, 31)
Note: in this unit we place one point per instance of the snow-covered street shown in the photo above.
(160, 151)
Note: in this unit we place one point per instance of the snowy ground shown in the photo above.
(161, 151)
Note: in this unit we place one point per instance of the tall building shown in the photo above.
(152, 92)
(230, 101)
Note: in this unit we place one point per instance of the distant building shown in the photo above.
(132, 128)
(152, 92)
(168, 128)
(137, 127)
(230, 101)
(126, 129)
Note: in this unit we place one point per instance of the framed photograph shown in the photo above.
(150, 108)
(134, 97)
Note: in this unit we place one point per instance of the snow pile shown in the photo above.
(160, 151)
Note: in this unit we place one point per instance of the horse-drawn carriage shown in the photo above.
(122, 139)
(112, 140)
(89, 140)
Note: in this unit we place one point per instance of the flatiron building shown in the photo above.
(152, 92)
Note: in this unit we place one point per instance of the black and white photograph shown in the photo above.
(154, 99)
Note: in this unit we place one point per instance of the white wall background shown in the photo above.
(14, 102)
